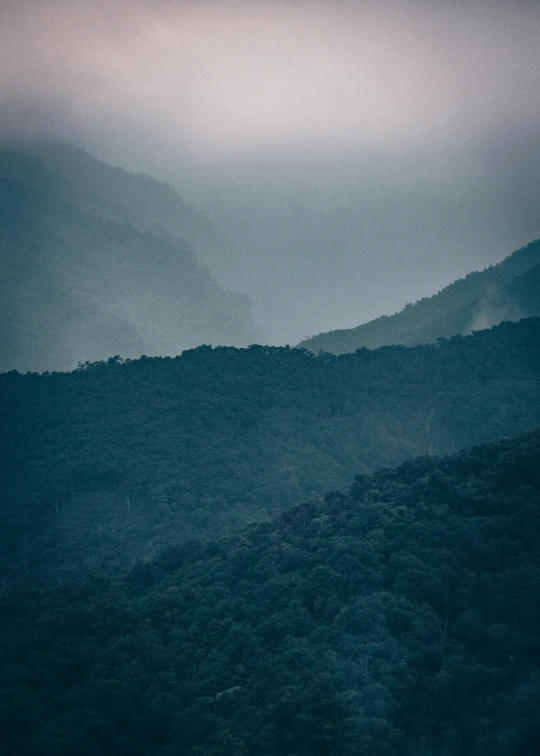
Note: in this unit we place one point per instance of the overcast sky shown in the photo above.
(354, 155)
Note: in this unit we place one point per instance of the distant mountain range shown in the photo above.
(507, 291)
(98, 261)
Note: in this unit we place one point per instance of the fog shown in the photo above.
(353, 156)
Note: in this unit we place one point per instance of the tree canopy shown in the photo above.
(399, 618)
(117, 460)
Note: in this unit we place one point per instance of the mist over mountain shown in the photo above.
(184, 565)
(138, 198)
(94, 265)
(352, 156)
(507, 291)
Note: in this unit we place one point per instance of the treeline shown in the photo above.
(117, 460)
(402, 618)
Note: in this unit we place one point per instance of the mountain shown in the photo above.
(482, 299)
(134, 198)
(87, 274)
(118, 460)
(401, 618)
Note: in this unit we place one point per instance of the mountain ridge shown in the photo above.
(145, 200)
(464, 305)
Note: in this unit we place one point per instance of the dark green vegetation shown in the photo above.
(116, 461)
(399, 619)
(507, 291)
(93, 265)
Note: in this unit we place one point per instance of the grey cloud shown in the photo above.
(355, 155)
(235, 77)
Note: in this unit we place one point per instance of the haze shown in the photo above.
(352, 155)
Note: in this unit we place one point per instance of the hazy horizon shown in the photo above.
(353, 156)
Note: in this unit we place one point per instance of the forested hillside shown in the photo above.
(401, 618)
(507, 291)
(85, 276)
(525, 292)
(132, 197)
(115, 461)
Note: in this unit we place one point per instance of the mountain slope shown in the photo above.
(135, 198)
(84, 279)
(115, 461)
(480, 300)
(525, 292)
(401, 618)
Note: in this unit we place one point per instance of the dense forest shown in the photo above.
(507, 291)
(117, 460)
(87, 274)
(401, 618)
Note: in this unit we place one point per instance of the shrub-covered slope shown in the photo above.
(482, 299)
(113, 462)
(399, 619)
(84, 278)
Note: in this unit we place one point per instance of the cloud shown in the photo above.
(356, 154)
(238, 76)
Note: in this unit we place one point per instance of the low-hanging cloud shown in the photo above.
(374, 115)
(232, 75)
